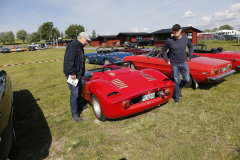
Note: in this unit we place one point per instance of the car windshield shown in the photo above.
(155, 52)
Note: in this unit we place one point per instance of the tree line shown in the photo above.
(224, 27)
(46, 31)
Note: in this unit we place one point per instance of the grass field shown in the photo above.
(205, 125)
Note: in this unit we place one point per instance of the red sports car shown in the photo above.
(234, 57)
(116, 92)
(202, 69)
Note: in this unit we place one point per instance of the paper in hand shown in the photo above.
(73, 82)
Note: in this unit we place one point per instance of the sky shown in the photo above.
(110, 17)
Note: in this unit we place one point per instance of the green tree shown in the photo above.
(3, 37)
(225, 27)
(10, 38)
(215, 30)
(73, 30)
(22, 34)
(207, 30)
(94, 34)
(46, 30)
(55, 33)
(34, 37)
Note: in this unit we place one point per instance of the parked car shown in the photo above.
(105, 56)
(218, 37)
(141, 42)
(5, 50)
(17, 49)
(231, 37)
(113, 92)
(7, 135)
(135, 51)
(234, 57)
(24, 48)
(202, 69)
(32, 48)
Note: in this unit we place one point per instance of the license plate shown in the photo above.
(148, 96)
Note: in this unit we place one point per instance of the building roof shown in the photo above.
(166, 31)
(134, 33)
(107, 36)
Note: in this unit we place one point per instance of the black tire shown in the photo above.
(189, 84)
(97, 109)
(132, 65)
(106, 61)
(87, 60)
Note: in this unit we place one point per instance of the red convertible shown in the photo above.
(202, 69)
(234, 57)
(113, 92)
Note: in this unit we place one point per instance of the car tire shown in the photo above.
(132, 65)
(87, 61)
(97, 109)
(189, 84)
(106, 61)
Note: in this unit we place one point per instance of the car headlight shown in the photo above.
(215, 72)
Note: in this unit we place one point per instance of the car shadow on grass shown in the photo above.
(32, 131)
(137, 114)
(207, 86)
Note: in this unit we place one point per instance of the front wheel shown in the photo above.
(87, 61)
(97, 109)
(106, 61)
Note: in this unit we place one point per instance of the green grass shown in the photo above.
(205, 125)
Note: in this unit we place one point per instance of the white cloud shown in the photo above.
(188, 14)
(140, 30)
(230, 16)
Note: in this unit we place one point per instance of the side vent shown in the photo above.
(164, 80)
(113, 93)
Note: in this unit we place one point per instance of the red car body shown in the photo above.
(118, 92)
(234, 57)
(202, 69)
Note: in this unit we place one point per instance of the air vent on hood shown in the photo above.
(120, 84)
(148, 77)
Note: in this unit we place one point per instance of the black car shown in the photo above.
(32, 48)
(5, 50)
(7, 135)
(230, 37)
(140, 42)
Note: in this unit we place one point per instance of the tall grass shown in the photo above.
(205, 125)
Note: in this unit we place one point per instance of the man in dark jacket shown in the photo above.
(74, 68)
(176, 46)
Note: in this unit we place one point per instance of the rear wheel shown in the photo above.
(97, 109)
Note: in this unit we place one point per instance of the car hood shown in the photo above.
(131, 82)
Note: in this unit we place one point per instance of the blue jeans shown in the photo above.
(176, 70)
(75, 98)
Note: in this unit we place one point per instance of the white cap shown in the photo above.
(85, 35)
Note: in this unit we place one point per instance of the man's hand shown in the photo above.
(188, 59)
(73, 76)
(169, 63)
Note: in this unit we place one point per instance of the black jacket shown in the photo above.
(74, 59)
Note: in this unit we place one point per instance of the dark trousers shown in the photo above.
(76, 104)
(181, 77)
